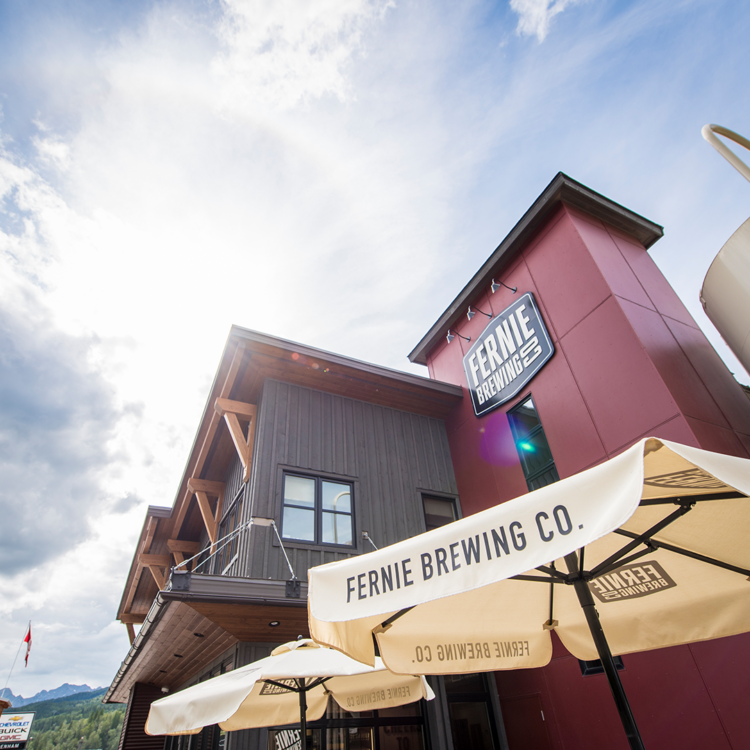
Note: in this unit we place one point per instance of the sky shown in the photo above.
(328, 171)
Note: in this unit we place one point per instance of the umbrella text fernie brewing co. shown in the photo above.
(649, 547)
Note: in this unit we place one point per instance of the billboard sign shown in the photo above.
(509, 352)
(15, 729)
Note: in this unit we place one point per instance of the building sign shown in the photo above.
(512, 349)
(15, 729)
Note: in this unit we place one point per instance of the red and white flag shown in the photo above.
(27, 641)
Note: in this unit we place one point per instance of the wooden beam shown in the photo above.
(151, 525)
(162, 561)
(226, 389)
(128, 618)
(233, 411)
(240, 443)
(208, 517)
(131, 632)
(214, 489)
(240, 408)
(159, 576)
(179, 545)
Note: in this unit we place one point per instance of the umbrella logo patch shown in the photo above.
(631, 582)
(691, 479)
(509, 352)
(269, 689)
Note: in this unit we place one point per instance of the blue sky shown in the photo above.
(329, 171)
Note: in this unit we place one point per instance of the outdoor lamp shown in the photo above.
(452, 334)
(471, 313)
(497, 284)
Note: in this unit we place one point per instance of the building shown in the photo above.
(575, 347)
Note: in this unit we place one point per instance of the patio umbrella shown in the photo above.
(649, 547)
(291, 685)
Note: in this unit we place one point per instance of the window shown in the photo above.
(317, 510)
(438, 511)
(531, 444)
(227, 556)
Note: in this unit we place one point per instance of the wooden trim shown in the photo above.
(233, 411)
(180, 546)
(240, 408)
(226, 389)
(214, 489)
(208, 517)
(132, 619)
(131, 632)
(162, 561)
(158, 575)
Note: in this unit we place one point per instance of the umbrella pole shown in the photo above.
(586, 601)
(303, 712)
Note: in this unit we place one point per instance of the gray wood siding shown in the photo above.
(390, 456)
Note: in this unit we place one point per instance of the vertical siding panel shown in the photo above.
(303, 456)
(389, 454)
(291, 453)
(350, 439)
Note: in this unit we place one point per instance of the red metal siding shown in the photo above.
(629, 362)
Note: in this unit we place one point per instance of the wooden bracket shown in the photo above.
(131, 632)
(158, 565)
(131, 619)
(204, 489)
(180, 548)
(233, 412)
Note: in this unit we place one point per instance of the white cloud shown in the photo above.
(535, 16)
(332, 172)
(279, 54)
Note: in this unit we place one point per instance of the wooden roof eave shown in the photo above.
(242, 343)
(224, 603)
(148, 531)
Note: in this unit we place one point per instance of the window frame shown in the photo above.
(228, 556)
(551, 465)
(319, 478)
(432, 495)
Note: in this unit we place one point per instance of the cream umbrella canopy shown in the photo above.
(649, 547)
(291, 685)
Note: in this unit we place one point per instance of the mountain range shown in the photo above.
(18, 701)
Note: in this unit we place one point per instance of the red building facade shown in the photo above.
(629, 362)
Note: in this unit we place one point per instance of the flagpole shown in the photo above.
(20, 645)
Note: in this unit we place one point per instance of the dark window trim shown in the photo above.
(422, 491)
(227, 510)
(594, 666)
(423, 494)
(551, 465)
(319, 476)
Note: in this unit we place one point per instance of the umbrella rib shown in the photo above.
(539, 579)
(318, 681)
(692, 498)
(552, 572)
(688, 553)
(640, 539)
(395, 617)
(651, 547)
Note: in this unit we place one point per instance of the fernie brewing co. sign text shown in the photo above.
(512, 349)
